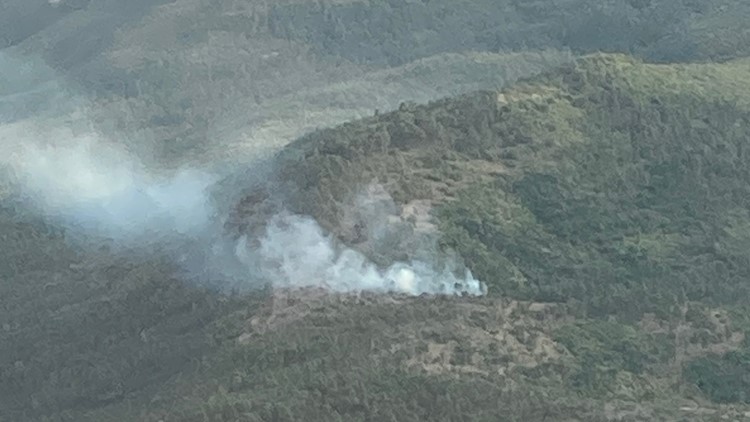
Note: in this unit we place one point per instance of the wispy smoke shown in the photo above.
(61, 166)
(101, 194)
(85, 184)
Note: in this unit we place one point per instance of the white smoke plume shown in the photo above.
(100, 191)
(86, 181)
(295, 252)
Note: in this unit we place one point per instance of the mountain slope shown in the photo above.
(603, 203)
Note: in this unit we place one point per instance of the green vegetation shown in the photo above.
(724, 378)
(377, 31)
(606, 348)
(80, 331)
(604, 199)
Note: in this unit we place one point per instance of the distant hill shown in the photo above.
(176, 69)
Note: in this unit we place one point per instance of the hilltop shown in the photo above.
(612, 187)
(602, 172)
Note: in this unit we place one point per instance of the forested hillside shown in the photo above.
(612, 186)
(603, 172)
(585, 160)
